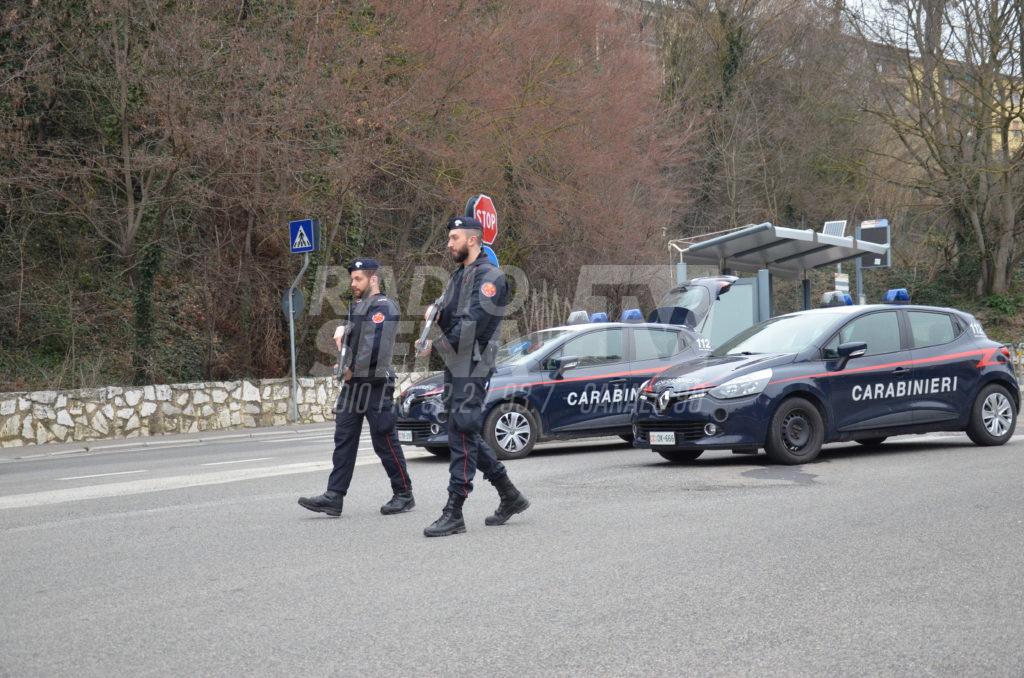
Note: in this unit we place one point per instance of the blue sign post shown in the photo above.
(303, 238)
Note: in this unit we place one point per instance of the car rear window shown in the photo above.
(930, 329)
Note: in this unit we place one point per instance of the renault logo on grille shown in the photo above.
(663, 399)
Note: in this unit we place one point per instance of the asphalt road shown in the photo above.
(190, 557)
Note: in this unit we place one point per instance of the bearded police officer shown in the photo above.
(367, 391)
(472, 308)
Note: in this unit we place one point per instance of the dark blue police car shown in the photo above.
(573, 381)
(859, 373)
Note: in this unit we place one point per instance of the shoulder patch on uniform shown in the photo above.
(488, 289)
(378, 318)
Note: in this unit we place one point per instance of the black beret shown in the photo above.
(465, 222)
(364, 264)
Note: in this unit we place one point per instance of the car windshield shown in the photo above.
(784, 334)
(522, 349)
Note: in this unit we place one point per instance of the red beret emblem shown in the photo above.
(488, 289)
(378, 317)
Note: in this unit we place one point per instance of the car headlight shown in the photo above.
(748, 384)
(406, 402)
(643, 386)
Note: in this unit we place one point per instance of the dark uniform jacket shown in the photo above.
(472, 308)
(370, 338)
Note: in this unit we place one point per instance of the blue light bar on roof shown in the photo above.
(631, 315)
(899, 295)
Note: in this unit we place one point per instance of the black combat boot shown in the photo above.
(400, 503)
(451, 521)
(512, 502)
(329, 502)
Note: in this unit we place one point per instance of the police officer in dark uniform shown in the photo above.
(367, 391)
(472, 308)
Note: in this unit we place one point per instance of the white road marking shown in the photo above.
(155, 442)
(172, 446)
(303, 440)
(103, 475)
(235, 461)
(130, 487)
(318, 438)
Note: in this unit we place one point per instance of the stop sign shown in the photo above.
(481, 208)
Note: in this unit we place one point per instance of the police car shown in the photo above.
(573, 381)
(859, 373)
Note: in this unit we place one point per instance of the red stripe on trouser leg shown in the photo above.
(465, 464)
(394, 456)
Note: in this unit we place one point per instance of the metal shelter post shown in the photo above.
(680, 265)
(764, 294)
(860, 274)
(681, 273)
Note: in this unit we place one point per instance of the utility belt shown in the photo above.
(369, 382)
(486, 355)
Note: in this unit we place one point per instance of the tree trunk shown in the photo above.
(143, 321)
(1002, 259)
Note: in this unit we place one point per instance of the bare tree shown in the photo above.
(776, 92)
(949, 88)
(163, 146)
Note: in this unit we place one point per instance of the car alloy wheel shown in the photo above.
(993, 416)
(997, 414)
(512, 431)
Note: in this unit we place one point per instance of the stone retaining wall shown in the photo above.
(37, 417)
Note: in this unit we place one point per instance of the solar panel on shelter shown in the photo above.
(834, 228)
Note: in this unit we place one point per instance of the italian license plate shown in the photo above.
(663, 438)
(405, 436)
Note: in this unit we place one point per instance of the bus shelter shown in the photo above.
(766, 250)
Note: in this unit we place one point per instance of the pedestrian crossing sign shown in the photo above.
(304, 235)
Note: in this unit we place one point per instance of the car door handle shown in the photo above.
(617, 381)
(901, 370)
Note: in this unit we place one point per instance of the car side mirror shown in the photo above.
(849, 351)
(563, 363)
